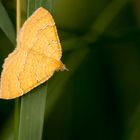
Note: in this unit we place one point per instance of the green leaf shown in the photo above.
(31, 116)
(6, 24)
(31, 7)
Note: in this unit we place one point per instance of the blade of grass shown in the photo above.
(108, 14)
(32, 104)
(30, 7)
(6, 24)
(104, 19)
(17, 101)
(47, 3)
(32, 114)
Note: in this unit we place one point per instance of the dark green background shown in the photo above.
(99, 97)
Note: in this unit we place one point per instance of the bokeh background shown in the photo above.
(99, 97)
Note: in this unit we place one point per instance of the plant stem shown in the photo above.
(17, 101)
(18, 16)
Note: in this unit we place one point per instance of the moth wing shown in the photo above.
(37, 70)
(9, 85)
(25, 72)
(39, 32)
(35, 58)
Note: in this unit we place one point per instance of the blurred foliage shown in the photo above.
(99, 98)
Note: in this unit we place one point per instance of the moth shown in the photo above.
(36, 57)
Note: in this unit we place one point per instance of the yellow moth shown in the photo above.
(36, 57)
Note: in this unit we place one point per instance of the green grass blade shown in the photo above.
(32, 104)
(47, 3)
(104, 19)
(32, 114)
(6, 24)
(30, 7)
(108, 14)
